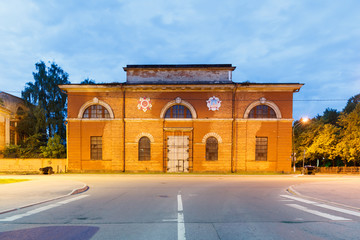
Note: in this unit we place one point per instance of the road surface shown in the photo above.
(184, 207)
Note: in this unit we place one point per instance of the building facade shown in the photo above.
(10, 107)
(180, 118)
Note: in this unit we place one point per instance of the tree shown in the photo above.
(54, 148)
(333, 136)
(32, 122)
(351, 104)
(348, 146)
(88, 81)
(330, 116)
(324, 143)
(47, 96)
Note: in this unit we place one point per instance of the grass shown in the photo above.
(11, 180)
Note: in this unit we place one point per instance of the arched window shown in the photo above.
(96, 111)
(178, 111)
(20, 111)
(262, 111)
(144, 149)
(211, 149)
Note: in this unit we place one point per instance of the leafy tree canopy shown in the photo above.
(334, 136)
(49, 99)
(330, 116)
(351, 104)
(88, 81)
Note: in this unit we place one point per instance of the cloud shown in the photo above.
(313, 42)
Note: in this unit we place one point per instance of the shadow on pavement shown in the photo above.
(51, 233)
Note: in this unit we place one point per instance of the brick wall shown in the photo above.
(11, 165)
(236, 150)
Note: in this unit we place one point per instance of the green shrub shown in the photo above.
(54, 148)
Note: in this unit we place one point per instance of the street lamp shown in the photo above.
(302, 120)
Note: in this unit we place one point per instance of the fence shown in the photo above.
(32, 165)
(339, 170)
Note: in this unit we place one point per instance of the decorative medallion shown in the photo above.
(213, 103)
(178, 100)
(144, 104)
(262, 100)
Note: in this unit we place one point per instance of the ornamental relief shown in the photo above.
(213, 103)
(144, 104)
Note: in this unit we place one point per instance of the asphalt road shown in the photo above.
(183, 207)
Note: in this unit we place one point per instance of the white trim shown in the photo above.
(92, 119)
(264, 120)
(213, 119)
(140, 135)
(212, 134)
(182, 102)
(178, 119)
(95, 101)
(181, 119)
(263, 101)
(184, 129)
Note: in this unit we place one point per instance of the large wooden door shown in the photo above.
(178, 151)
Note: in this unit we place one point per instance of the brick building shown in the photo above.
(180, 118)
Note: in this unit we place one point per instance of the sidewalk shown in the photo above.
(39, 189)
(343, 190)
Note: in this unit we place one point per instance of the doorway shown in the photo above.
(178, 151)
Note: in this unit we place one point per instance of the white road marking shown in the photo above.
(170, 220)
(325, 215)
(180, 206)
(73, 199)
(180, 220)
(342, 210)
(350, 212)
(41, 209)
(298, 199)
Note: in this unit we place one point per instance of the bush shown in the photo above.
(30, 148)
(54, 148)
(11, 151)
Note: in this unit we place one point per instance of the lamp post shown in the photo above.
(302, 120)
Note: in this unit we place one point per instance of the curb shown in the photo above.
(82, 189)
(292, 191)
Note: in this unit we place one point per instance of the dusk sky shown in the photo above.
(314, 42)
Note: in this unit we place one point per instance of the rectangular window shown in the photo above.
(12, 124)
(12, 137)
(96, 148)
(261, 148)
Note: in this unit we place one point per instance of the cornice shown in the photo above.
(91, 88)
(179, 88)
(286, 87)
(240, 87)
